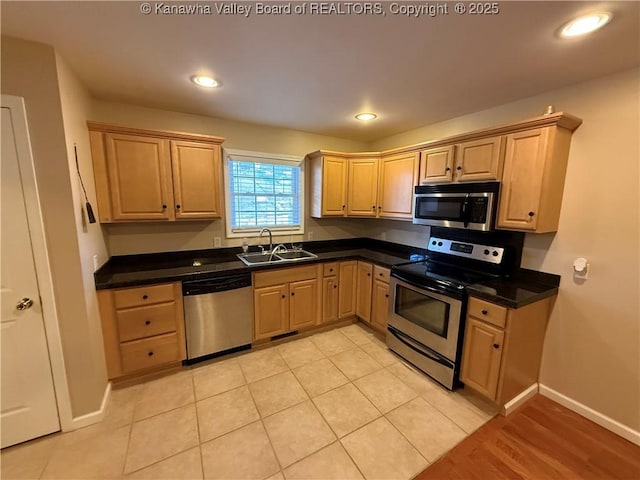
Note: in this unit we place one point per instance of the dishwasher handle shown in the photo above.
(217, 284)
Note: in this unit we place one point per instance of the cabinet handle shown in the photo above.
(164, 207)
(448, 169)
(144, 297)
(531, 214)
(386, 295)
(284, 296)
(344, 206)
(178, 207)
(331, 269)
(147, 322)
(496, 345)
(380, 273)
(150, 354)
(335, 286)
(368, 274)
(484, 312)
(373, 207)
(293, 293)
(458, 168)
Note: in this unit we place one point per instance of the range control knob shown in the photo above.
(433, 242)
(486, 252)
(495, 253)
(439, 244)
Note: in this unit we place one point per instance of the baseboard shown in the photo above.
(606, 422)
(93, 417)
(519, 400)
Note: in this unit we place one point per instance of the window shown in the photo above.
(263, 190)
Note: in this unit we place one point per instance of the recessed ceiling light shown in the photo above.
(585, 24)
(366, 116)
(205, 81)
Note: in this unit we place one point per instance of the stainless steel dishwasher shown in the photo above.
(218, 314)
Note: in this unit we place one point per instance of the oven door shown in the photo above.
(433, 319)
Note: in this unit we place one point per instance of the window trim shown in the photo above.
(259, 157)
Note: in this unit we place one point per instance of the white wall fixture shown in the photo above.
(581, 268)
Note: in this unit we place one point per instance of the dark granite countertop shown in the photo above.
(523, 288)
(144, 269)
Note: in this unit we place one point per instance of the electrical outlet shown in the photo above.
(217, 242)
(310, 235)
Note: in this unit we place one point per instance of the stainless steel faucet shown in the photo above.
(270, 238)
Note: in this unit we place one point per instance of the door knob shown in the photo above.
(24, 304)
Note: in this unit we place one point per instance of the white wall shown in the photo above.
(592, 348)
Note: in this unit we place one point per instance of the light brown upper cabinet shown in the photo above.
(362, 187)
(144, 175)
(329, 186)
(479, 160)
(197, 179)
(533, 180)
(398, 176)
(436, 165)
(476, 160)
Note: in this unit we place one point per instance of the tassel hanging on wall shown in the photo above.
(90, 215)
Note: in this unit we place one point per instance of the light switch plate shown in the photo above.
(217, 242)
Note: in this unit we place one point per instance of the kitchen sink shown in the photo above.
(278, 257)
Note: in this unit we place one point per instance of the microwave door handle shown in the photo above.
(466, 210)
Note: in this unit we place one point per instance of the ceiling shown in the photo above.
(315, 72)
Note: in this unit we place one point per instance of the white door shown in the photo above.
(28, 404)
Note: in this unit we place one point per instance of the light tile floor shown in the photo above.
(335, 405)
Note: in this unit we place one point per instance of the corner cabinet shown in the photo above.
(144, 175)
(142, 328)
(502, 348)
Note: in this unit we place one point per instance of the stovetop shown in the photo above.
(440, 276)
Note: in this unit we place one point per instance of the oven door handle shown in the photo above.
(457, 296)
(418, 347)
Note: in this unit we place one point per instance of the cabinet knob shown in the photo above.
(284, 296)
(147, 322)
(373, 207)
(368, 274)
(448, 169)
(164, 207)
(458, 168)
(150, 354)
(344, 206)
(178, 207)
(293, 294)
(496, 345)
(484, 312)
(331, 269)
(386, 295)
(144, 297)
(531, 214)
(380, 274)
(335, 286)
(379, 207)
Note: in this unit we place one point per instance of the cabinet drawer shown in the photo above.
(146, 321)
(284, 275)
(149, 352)
(381, 273)
(489, 312)
(330, 269)
(133, 297)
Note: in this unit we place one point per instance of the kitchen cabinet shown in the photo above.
(330, 292)
(286, 299)
(329, 186)
(503, 348)
(362, 187)
(380, 298)
(347, 289)
(144, 175)
(142, 328)
(363, 289)
(398, 175)
(535, 165)
(475, 160)
(436, 165)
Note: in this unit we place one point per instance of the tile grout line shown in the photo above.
(195, 406)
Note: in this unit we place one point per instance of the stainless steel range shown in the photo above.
(429, 299)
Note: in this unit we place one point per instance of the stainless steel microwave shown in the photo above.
(457, 205)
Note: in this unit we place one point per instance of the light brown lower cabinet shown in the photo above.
(347, 279)
(363, 289)
(285, 300)
(142, 328)
(503, 348)
(380, 298)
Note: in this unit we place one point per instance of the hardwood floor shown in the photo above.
(541, 440)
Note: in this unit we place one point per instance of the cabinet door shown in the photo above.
(139, 177)
(398, 176)
(347, 289)
(363, 297)
(271, 311)
(436, 165)
(481, 357)
(362, 188)
(303, 303)
(479, 160)
(380, 304)
(334, 186)
(197, 184)
(329, 299)
(522, 179)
